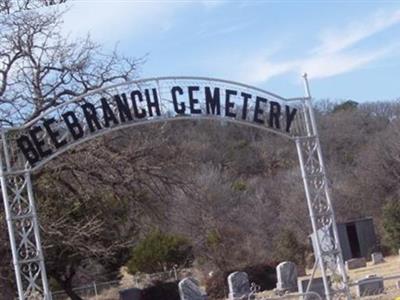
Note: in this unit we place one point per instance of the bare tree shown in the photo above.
(40, 68)
(94, 201)
(13, 6)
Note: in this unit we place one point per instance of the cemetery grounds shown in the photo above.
(391, 267)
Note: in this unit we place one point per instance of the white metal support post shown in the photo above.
(23, 230)
(325, 234)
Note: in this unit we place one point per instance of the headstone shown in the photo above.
(239, 286)
(371, 285)
(317, 286)
(286, 273)
(377, 258)
(356, 263)
(398, 284)
(130, 294)
(189, 290)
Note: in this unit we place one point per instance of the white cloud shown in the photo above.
(259, 70)
(109, 21)
(337, 63)
(333, 41)
(333, 56)
(318, 66)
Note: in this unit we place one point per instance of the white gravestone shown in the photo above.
(377, 258)
(239, 286)
(189, 290)
(286, 273)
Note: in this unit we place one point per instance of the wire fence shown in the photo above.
(304, 296)
(94, 290)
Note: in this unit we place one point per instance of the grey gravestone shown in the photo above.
(356, 263)
(239, 286)
(189, 290)
(377, 258)
(317, 286)
(286, 273)
(130, 294)
(371, 285)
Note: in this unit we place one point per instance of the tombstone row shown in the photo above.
(287, 282)
(238, 284)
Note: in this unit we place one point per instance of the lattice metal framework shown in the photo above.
(16, 167)
(325, 234)
(23, 229)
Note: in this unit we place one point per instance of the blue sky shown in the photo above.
(350, 49)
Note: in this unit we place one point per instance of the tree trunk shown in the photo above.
(71, 293)
(67, 287)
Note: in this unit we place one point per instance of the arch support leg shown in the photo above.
(24, 236)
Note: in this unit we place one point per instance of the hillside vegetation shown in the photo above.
(233, 193)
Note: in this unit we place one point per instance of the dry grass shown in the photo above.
(110, 294)
(390, 267)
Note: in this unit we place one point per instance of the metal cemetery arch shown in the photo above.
(27, 148)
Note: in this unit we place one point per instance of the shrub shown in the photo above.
(158, 252)
(239, 186)
(391, 224)
(348, 105)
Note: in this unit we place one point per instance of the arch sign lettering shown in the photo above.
(27, 148)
